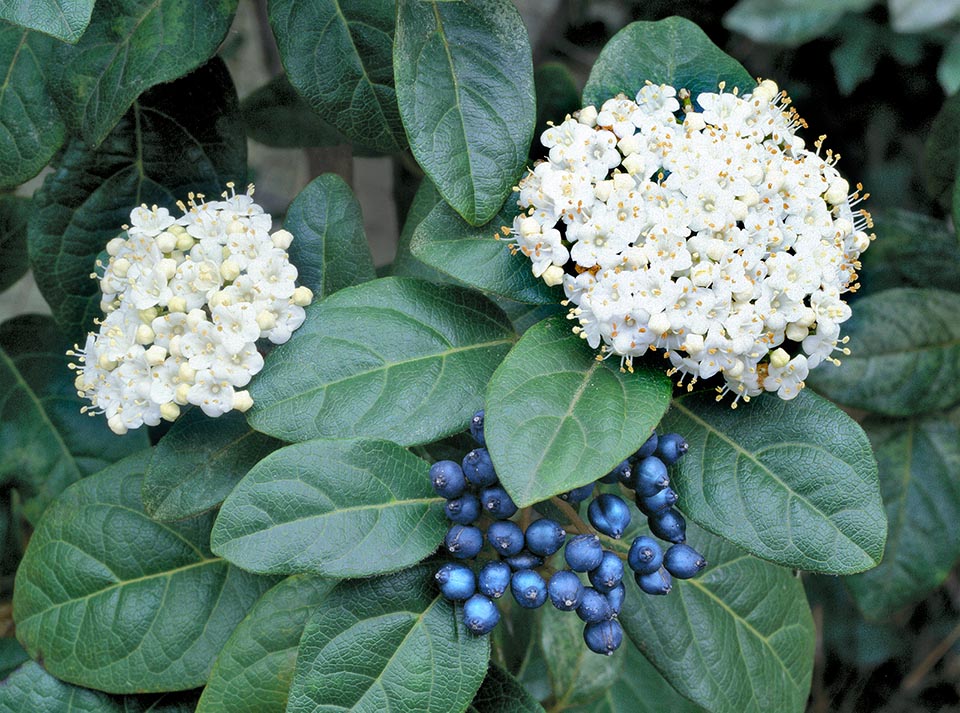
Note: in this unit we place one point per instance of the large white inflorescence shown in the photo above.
(711, 233)
(186, 299)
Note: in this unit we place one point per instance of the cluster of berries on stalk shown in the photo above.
(472, 489)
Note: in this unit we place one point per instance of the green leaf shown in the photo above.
(738, 638)
(338, 56)
(948, 70)
(198, 462)
(329, 247)
(32, 129)
(673, 51)
(941, 152)
(787, 22)
(64, 19)
(129, 47)
(45, 442)
(558, 418)
(116, 601)
(253, 672)
(11, 656)
(389, 643)
(557, 96)
(405, 264)
(402, 359)
(502, 693)
(275, 115)
(178, 137)
(464, 78)
(921, 15)
(793, 482)
(525, 316)
(337, 508)
(905, 357)
(919, 462)
(14, 213)
(477, 257)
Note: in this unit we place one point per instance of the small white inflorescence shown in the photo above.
(712, 234)
(186, 300)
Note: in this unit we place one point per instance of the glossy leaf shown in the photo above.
(254, 670)
(794, 482)
(673, 51)
(45, 442)
(415, 654)
(14, 213)
(405, 264)
(502, 693)
(116, 601)
(64, 19)
(399, 359)
(558, 418)
(477, 256)
(129, 47)
(905, 359)
(942, 150)
(178, 137)
(919, 462)
(338, 55)
(783, 22)
(329, 247)
(12, 655)
(464, 78)
(198, 462)
(275, 115)
(31, 129)
(337, 508)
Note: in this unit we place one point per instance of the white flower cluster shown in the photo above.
(710, 233)
(186, 301)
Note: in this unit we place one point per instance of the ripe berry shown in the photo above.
(463, 541)
(578, 495)
(645, 556)
(478, 468)
(565, 590)
(668, 525)
(480, 614)
(456, 581)
(683, 562)
(593, 606)
(654, 583)
(463, 510)
(583, 553)
(671, 448)
(623, 473)
(544, 537)
(448, 479)
(523, 560)
(615, 598)
(651, 476)
(648, 448)
(476, 428)
(652, 504)
(608, 573)
(494, 579)
(506, 537)
(603, 637)
(497, 502)
(609, 514)
(528, 588)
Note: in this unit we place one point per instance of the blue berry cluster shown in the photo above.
(472, 491)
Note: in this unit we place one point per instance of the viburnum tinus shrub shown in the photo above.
(276, 505)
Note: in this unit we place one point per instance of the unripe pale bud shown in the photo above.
(302, 296)
(808, 318)
(837, 192)
(629, 144)
(145, 334)
(186, 372)
(861, 240)
(116, 424)
(588, 116)
(195, 317)
(766, 90)
(155, 355)
(242, 401)
(184, 242)
(106, 363)
(281, 239)
(169, 411)
(167, 242)
(177, 304)
(180, 395)
(779, 358)
(602, 190)
(623, 182)
(528, 227)
(693, 344)
(167, 268)
(120, 267)
(553, 275)
(148, 315)
(634, 163)
(174, 346)
(229, 270)
(659, 323)
(694, 121)
(796, 332)
(266, 320)
(114, 246)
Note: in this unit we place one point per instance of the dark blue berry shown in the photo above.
(645, 555)
(651, 476)
(648, 448)
(506, 537)
(494, 579)
(544, 537)
(476, 428)
(463, 541)
(654, 583)
(497, 502)
(615, 598)
(448, 479)
(671, 448)
(608, 573)
(623, 473)
(565, 590)
(593, 606)
(464, 510)
(578, 495)
(668, 525)
(652, 504)
(528, 588)
(478, 468)
(683, 562)
(609, 514)
(603, 637)
(456, 581)
(583, 553)
(523, 560)
(480, 614)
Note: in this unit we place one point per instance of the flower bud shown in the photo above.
(148, 315)
(281, 239)
(266, 320)
(837, 192)
(177, 304)
(184, 242)
(167, 268)
(629, 144)
(587, 116)
(169, 411)
(195, 317)
(116, 424)
(120, 266)
(779, 358)
(659, 323)
(766, 90)
(174, 346)
(553, 275)
(242, 401)
(186, 372)
(156, 355)
(694, 121)
(106, 363)
(602, 190)
(796, 332)
(181, 394)
(229, 270)
(166, 241)
(145, 334)
(115, 245)
(302, 296)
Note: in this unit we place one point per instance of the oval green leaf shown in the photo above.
(794, 482)
(64, 19)
(941, 151)
(395, 358)
(254, 670)
(502, 693)
(275, 115)
(673, 51)
(14, 213)
(415, 654)
(464, 78)
(905, 357)
(113, 600)
(337, 508)
(558, 418)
